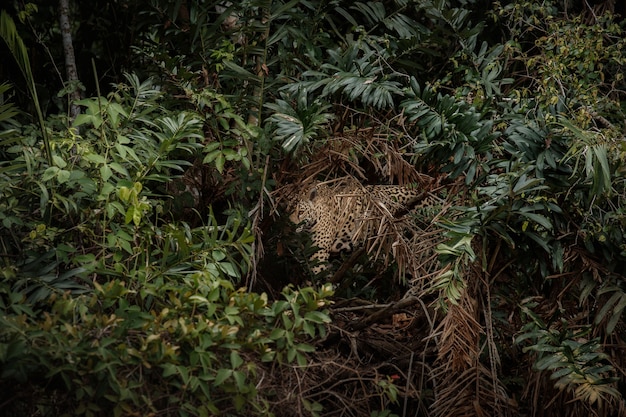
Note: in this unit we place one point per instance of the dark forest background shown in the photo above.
(152, 150)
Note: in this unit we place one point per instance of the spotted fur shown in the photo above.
(338, 217)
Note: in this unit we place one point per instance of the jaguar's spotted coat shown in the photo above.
(338, 217)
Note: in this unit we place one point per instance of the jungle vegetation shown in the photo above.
(150, 152)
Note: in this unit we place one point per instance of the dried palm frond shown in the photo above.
(464, 386)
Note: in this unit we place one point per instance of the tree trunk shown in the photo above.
(70, 59)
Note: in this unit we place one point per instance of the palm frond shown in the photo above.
(357, 74)
(464, 386)
(448, 131)
(298, 121)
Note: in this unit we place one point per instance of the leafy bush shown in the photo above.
(185, 344)
(108, 299)
(119, 282)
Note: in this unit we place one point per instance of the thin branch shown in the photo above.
(385, 313)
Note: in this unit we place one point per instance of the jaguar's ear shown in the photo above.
(313, 193)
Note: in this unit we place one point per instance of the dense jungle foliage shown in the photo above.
(147, 266)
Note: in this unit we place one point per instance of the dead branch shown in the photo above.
(385, 313)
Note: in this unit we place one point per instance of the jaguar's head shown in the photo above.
(304, 213)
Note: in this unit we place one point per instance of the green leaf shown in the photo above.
(219, 163)
(105, 172)
(309, 328)
(130, 214)
(125, 194)
(169, 369)
(617, 314)
(49, 173)
(63, 176)
(550, 362)
(221, 376)
(184, 373)
(137, 215)
(95, 158)
(240, 380)
(301, 360)
(561, 373)
(304, 347)
(118, 168)
(277, 333)
(317, 317)
(291, 354)
(235, 359)
(58, 161)
(239, 401)
(538, 218)
(616, 300)
(83, 119)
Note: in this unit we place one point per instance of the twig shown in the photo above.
(360, 308)
(347, 265)
(383, 314)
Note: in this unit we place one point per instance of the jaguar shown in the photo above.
(340, 216)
